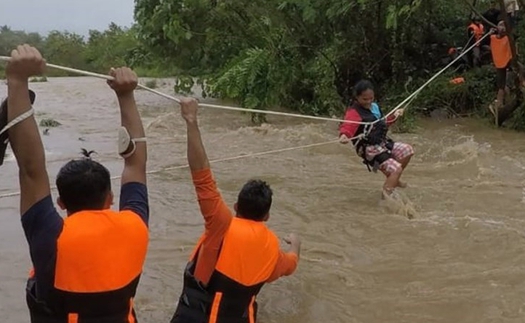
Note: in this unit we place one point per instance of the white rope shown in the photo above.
(213, 161)
(223, 107)
(434, 77)
(17, 120)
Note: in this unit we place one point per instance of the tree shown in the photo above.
(305, 54)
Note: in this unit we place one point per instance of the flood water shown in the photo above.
(460, 259)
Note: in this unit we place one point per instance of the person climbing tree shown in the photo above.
(501, 57)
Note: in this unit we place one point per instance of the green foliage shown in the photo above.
(113, 47)
(50, 123)
(152, 84)
(64, 48)
(305, 55)
(38, 79)
(302, 54)
(471, 96)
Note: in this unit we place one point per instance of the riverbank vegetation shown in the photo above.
(304, 55)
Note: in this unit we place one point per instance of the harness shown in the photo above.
(372, 135)
(43, 312)
(222, 301)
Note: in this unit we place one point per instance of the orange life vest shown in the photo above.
(478, 31)
(99, 261)
(457, 80)
(501, 51)
(231, 292)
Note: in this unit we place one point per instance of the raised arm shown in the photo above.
(135, 155)
(24, 137)
(213, 209)
(197, 158)
(132, 145)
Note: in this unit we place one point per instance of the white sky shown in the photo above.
(73, 15)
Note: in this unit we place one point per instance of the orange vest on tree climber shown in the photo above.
(477, 30)
(501, 51)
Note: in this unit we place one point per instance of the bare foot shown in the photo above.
(401, 184)
(387, 192)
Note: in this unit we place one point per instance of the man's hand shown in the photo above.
(399, 113)
(26, 61)
(295, 243)
(344, 139)
(125, 81)
(292, 239)
(197, 158)
(188, 109)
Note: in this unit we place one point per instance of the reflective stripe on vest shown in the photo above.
(231, 292)
(100, 255)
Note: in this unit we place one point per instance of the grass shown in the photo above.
(50, 123)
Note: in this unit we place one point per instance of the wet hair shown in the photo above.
(83, 184)
(362, 86)
(254, 200)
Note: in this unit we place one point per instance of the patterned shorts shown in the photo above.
(400, 151)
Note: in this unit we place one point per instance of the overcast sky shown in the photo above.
(74, 15)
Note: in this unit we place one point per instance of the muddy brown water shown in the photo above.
(461, 259)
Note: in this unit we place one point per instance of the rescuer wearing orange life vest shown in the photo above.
(501, 56)
(236, 255)
(86, 267)
(476, 30)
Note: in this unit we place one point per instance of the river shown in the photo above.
(460, 259)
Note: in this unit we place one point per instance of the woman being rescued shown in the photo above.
(376, 148)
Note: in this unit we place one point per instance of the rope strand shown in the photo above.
(413, 95)
(268, 152)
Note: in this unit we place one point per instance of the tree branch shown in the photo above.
(474, 10)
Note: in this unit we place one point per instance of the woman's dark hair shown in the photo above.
(362, 86)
